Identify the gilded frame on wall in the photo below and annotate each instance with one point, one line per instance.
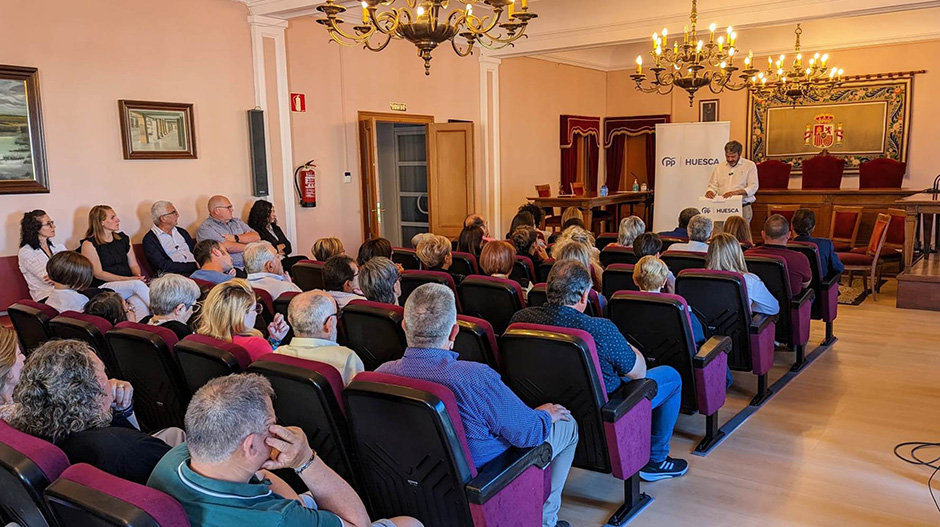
(157, 130)
(22, 144)
(861, 120)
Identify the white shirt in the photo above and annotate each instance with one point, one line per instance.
(274, 284)
(690, 246)
(33, 266)
(726, 178)
(322, 350)
(342, 298)
(174, 245)
(66, 300)
(762, 301)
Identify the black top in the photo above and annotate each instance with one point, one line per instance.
(113, 255)
(159, 261)
(276, 239)
(181, 330)
(458, 278)
(120, 450)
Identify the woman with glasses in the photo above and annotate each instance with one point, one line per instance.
(229, 313)
(36, 248)
(172, 302)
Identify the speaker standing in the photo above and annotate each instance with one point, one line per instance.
(735, 177)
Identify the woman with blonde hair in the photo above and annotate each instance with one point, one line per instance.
(325, 248)
(435, 254)
(229, 312)
(738, 227)
(113, 260)
(573, 249)
(571, 213)
(724, 254)
(11, 364)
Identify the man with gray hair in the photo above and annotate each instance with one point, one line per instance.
(265, 271)
(700, 231)
(568, 289)
(736, 176)
(313, 316)
(380, 280)
(168, 247)
(221, 473)
(493, 417)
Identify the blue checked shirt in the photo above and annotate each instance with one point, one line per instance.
(493, 417)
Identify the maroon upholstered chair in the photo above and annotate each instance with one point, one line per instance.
(823, 172)
(308, 275)
(787, 211)
(523, 269)
(720, 297)
(793, 320)
(202, 358)
(464, 263)
(91, 330)
(618, 277)
(604, 239)
(143, 262)
(31, 321)
(843, 229)
(411, 444)
(544, 364)
(676, 261)
(27, 466)
(869, 262)
(374, 331)
(773, 174)
(89, 497)
(825, 289)
(658, 325)
(282, 302)
(618, 255)
(476, 341)
(411, 280)
(545, 267)
(495, 300)
(407, 258)
(538, 297)
(881, 173)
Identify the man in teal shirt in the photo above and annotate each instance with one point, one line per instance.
(220, 475)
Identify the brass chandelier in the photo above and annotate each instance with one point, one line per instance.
(814, 82)
(427, 24)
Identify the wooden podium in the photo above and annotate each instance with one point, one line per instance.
(919, 284)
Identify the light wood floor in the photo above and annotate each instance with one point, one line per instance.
(821, 452)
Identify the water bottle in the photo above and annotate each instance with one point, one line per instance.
(603, 191)
(636, 185)
(643, 187)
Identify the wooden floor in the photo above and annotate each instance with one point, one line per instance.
(818, 454)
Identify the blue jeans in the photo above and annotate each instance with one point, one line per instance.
(665, 409)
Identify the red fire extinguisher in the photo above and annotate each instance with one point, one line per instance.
(305, 181)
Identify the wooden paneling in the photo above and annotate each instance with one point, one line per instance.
(450, 176)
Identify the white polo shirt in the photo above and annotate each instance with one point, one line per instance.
(726, 178)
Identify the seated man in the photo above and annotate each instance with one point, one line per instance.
(168, 247)
(341, 280)
(223, 227)
(804, 221)
(700, 230)
(776, 233)
(313, 317)
(493, 417)
(380, 280)
(435, 255)
(569, 284)
(215, 263)
(476, 220)
(220, 474)
(263, 265)
(684, 217)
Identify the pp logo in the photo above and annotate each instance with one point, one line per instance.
(669, 161)
(706, 210)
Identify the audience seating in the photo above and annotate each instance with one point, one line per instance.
(823, 172)
(604, 239)
(677, 261)
(143, 262)
(407, 258)
(495, 300)
(881, 173)
(523, 269)
(411, 280)
(91, 330)
(543, 364)
(144, 355)
(476, 341)
(870, 263)
(786, 211)
(202, 358)
(618, 277)
(267, 310)
(793, 320)
(31, 321)
(27, 466)
(412, 447)
(204, 286)
(308, 275)
(14, 285)
(282, 303)
(658, 325)
(544, 268)
(825, 288)
(670, 240)
(774, 174)
(551, 222)
(464, 263)
(843, 229)
(86, 496)
(307, 395)
(374, 331)
(618, 255)
(538, 297)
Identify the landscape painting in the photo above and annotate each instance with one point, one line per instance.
(22, 153)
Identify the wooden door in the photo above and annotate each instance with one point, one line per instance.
(368, 160)
(450, 177)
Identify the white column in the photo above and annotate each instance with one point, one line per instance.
(489, 122)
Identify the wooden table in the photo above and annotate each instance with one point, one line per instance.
(590, 201)
(914, 206)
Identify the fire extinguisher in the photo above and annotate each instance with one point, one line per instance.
(305, 181)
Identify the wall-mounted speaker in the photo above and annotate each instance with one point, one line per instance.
(259, 156)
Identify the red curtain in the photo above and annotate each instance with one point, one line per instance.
(616, 131)
(573, 126)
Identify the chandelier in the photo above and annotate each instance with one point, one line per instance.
(692, 64)
(814, 82)
(427, 24)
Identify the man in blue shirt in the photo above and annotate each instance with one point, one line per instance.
(223, 227)
(215, 263)
(804, 221)
(568, 289)
(493, 417)
(684, 217)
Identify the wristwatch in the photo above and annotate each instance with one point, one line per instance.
(236, 239)
(307, 464)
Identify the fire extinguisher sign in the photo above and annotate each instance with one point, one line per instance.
(298, 102)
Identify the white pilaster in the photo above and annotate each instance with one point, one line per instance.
(489, 121)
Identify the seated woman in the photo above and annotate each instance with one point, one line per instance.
(71, 275)
(497, 260)
(586, 238)
(630, 228)
(739, 228)
(435, 255)
(325, 248)
(11, 363)
(650, 244)
(470, 241)
(724, 254)
(172, 301)
(111, 307)
(263, 219)
(36, 248)
(521, 219)
(373, 248)
(380, 280)
(229, 314)
(65, 397)
(572, 249)
(525, 241)
(113, 260)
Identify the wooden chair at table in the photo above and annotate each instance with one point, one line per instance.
(552, 221)
(843, 229)
(786, 211)
(870, 263)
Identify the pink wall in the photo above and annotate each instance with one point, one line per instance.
(94, 52)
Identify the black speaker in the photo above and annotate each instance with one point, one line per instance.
(259, 156)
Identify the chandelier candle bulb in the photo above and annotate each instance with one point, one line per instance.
(512, 10)
(365, 13)
(721, 42)
(525, 4)
(639, 65)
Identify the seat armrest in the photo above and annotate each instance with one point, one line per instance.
(626, 397)
(806, 295)
(709, 351)
(830, 281)
(759, 321)
(501, 471)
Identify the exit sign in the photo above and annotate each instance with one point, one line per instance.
(398, 107)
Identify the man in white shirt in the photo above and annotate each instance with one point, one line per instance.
(700, 230)
(735, 177)
(313, 317)
(263, 265)
(168, 247)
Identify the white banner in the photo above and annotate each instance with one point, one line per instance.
(686, 154)
(720, 209)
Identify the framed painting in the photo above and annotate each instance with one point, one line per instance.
(708, 111)
(22, 147)
(157, 130)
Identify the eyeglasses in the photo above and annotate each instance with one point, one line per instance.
(230, 207)
(258, 309)
(50, 224)
(174, 213)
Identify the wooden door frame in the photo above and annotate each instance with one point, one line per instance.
(369, 178)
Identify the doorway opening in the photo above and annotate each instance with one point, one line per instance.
(402, 181)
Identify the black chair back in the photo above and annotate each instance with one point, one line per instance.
(407, 258)
(811, 252)
(411, 280)
(523, 270)
(308, 275)
(91, 330)
(604, 239)
(618, 277)
(493, 299)
(677, 261)
(720, 297)
(373, 330)
(476, 341)
(463, 263)
(203, 358)
(773, 272)
(31, 321)
(618, 255)
(545, 267)
(27, 466)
